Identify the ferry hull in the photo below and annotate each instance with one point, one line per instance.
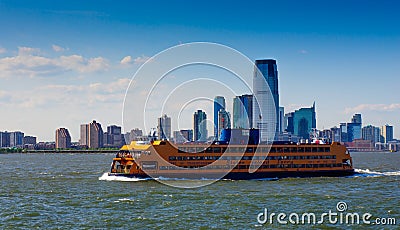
(247, 176)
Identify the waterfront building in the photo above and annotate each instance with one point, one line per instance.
(63, 138)
(17, 139)
(184, 135)
(113, 137)
(356, 119)
(92, 135)
(219, 103)
(371, 133)
(304, 121)
(265, 108)
(335, 134)
(243, 112)
(224, 121)
(281, 119)
(288, 121)
(4, 139)
(387, 133)
(164, 127)
(134, 135)
(200, 126)
(29, 140)
(351, 131)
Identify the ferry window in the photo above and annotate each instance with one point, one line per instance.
(265, 150)
(300, 150)
(224, 149)
(286, 150)
(278, 150)
(200, 150)
(308, 149)
(293, 149)
(209, 150)
(314, 150)
(327, 150)
(272, 150)
(179, 158)
(217, 150)
(249, 150)
(172, 158)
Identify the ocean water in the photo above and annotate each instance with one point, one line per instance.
(72, 191)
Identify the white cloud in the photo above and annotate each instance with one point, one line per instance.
(126, 60)
(2, 50)
(373, 107)
(303, 51)
(29, 62)
(23, 50)
(142, 59)
(57, 48)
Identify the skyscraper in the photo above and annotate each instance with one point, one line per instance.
(243, 112)
(371, 133)
(265, 108)
(4, 139)
(16, 139)
(224, 121)
(164, 127)
(92, 135)
(200, 126)
(289, 122)
(356, 119)
(219, 103)
(387, 133)
(183, 135)
(84, 140)
(63, 138)
(304, 121)
(113, 137)
(351, 131)
(281, 119)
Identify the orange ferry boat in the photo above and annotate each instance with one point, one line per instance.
(239, 162)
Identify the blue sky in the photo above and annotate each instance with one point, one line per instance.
(63, 63)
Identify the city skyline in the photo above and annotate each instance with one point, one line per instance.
(68, 63)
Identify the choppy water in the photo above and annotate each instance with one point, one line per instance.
(55, 191)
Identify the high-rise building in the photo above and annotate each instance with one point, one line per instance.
(63, 138)
(16, 139)
(164, 127)
(281, 119)
(29, 140)
(371, 133)
(304, 121)
(84, 140)
(224, 121)
(351, 131)
(113, 136)
(4, 139)
(219, 103)
(387, 133)
(265, 108)
(183, 135)
(289, 122)
(356, 119)
(92, 135)
(243, 112)
(200, 126)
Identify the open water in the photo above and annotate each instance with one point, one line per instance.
(72, 191)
